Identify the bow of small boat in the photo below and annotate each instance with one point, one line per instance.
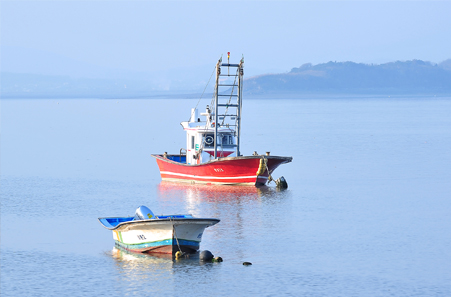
(113, 223)
(188, 221)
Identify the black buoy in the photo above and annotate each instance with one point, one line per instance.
(206, 256)
(281, 183)
(247, 263)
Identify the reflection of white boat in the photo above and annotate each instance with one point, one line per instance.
(125, 255)
(147, 233)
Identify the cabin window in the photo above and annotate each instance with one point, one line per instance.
(227, 140)
(192, 142)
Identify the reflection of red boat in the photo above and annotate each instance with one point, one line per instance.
(213, 145)
(172, 191)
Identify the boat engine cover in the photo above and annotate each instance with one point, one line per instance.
(143, 213)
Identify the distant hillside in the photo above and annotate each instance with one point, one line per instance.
(25, 85)
(31, 73)
(36, 85)
(409, 77)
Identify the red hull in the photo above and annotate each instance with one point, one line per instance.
(249, 170)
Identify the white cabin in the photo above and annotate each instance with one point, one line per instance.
(200, 140)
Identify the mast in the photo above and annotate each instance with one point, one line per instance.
(218, 73)
(239, 103)
(238, 76)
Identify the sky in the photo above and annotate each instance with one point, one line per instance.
(273, 36)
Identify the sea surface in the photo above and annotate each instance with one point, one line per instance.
(367, 211)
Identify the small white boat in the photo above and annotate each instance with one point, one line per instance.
(147, 233)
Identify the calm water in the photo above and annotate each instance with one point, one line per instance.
(367, 212)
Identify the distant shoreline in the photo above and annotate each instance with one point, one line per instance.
(269, 96)
(408, 78)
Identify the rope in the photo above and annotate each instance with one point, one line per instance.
(212, 103)
(206, 128)
(175, 235)
(203, 91)
(270, 179)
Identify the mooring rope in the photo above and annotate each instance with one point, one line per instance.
(270, 179)
(175, 234)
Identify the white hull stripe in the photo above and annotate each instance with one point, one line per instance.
(211, 177)
(208, 182)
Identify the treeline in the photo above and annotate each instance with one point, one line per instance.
(407, 77)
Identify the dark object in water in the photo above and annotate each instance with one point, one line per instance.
(281, 183)
(247, 263)
(217, 259)
(206, 256)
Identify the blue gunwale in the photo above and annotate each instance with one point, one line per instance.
(113, 223)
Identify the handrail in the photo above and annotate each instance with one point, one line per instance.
(181, 153)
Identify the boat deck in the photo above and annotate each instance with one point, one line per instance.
(177, 158)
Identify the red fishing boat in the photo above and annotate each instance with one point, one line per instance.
(213, 154)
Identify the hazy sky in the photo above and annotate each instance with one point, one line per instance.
(274, 36)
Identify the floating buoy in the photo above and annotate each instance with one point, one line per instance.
(206, 256)
(281, 183)
(217, 259)
(178, 254)
(247, 263)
